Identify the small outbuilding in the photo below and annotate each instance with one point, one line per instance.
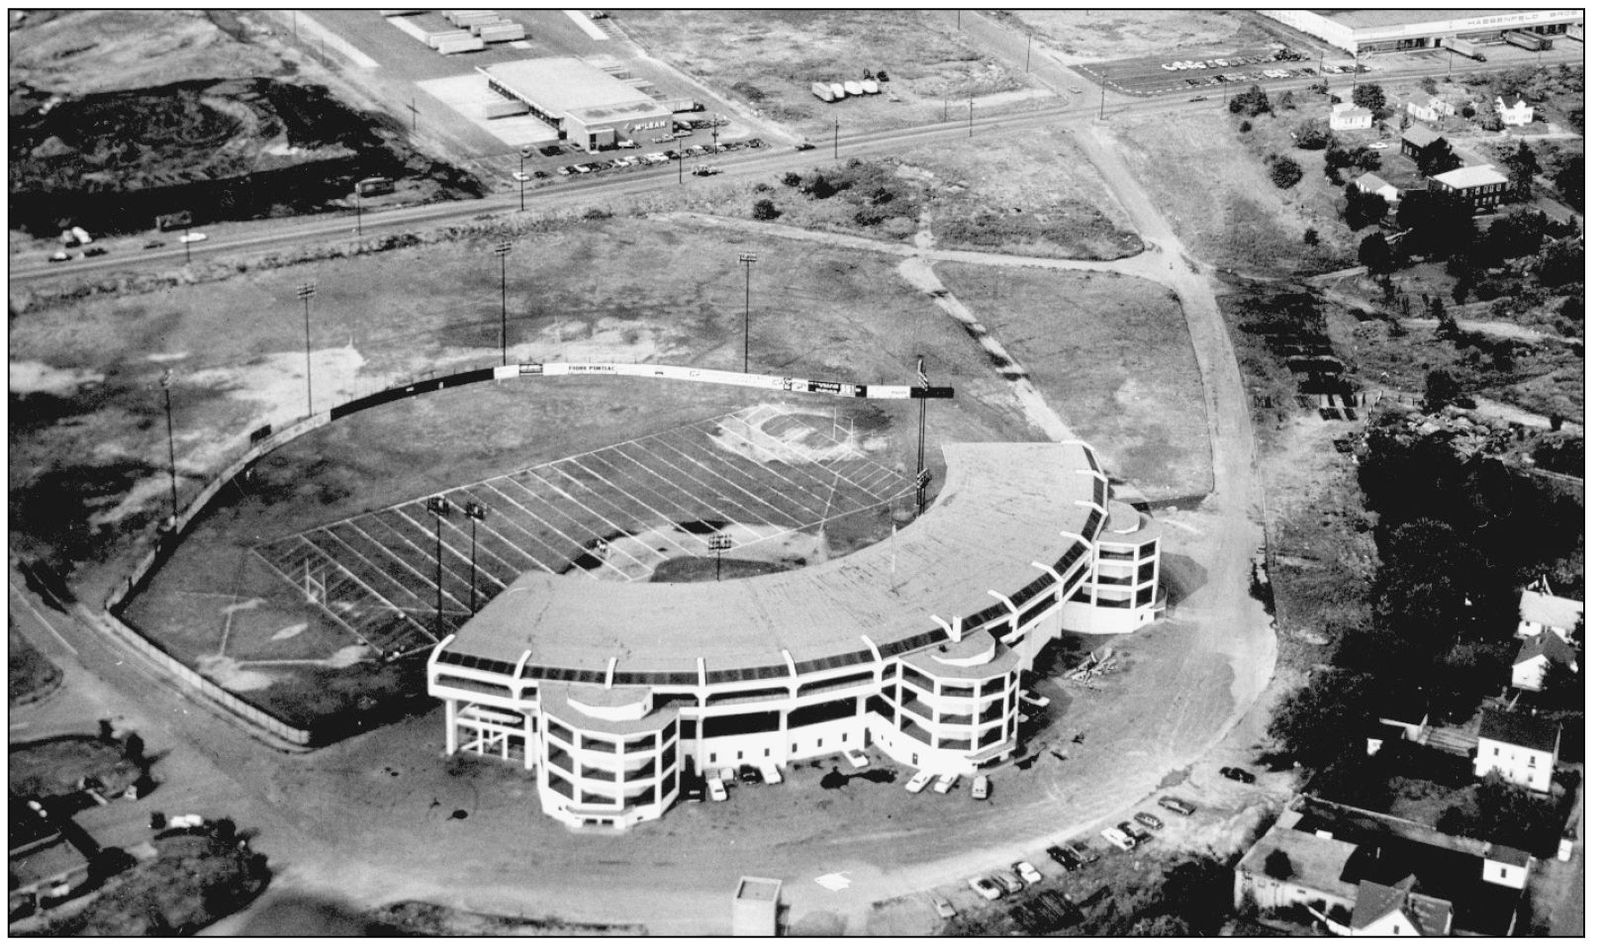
(1347, 117)
(756, 907)
(1371, 183)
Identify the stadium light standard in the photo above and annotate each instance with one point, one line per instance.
(522, 177)
(1029, 43)
(475, 512)
(306, 291)
(681, 165)
(439, 506)
(501, 250)
(358, 212)
(716, 545)
(923, 473)
(186, 243)
(172, 458)
(748, 259)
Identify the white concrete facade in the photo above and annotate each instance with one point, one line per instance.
(613, 753)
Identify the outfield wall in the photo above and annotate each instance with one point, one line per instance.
(256, 717)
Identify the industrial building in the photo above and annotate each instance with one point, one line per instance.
(583, 102)
(915, 645)
(1379, 31)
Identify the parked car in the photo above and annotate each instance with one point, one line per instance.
(152, 245)
(1008, 882)
(1026, 872)
(755, 143)
(1134, 831)
(59, 256)
(1034, 698)
(715, 786)
(771, 775)
(750, 775)
(943, 908)
(1150, 820)
(804, 146)
(521, 176)
(1238, 774)
(1379, 146)
(1176, 805)
(542, 174)
(1086, 857)
(96, 251)
(1118, 838)
(565, 170)
(919, 782)
(1063, 858)
(694, 789)
(551, 151)
(987, 888)
(727, 775)
(945, 783)
(193, 237)
(981, 787)
(856, 758)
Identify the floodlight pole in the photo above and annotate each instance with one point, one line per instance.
(186, 244)
(923, 383)
(837, 136)
(501, 250)
(440, 506)
(748, 259)
(1103, 113)
(1029, 42)
(358, 212)
(970, 116)
(681, 166)
(718, 543)
(172, 458)
(306, 291)
(475, 512)
(522, 178)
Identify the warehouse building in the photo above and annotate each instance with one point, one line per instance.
(1380, 31)
(915, 645)
(584, 103)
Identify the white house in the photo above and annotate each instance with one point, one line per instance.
(1516, 114)
(1507, 866)
(1424, 112)
(1539, 609)
(1392, 911)
(1539, 653)
(1371, 183)
(1520, 747)
(1347, 117)
(1442, 106)
(1318, 867)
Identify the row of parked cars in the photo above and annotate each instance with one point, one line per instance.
(653, 158)
(1181, 64)
(1127, 835)
(943, 783)
(717, 784)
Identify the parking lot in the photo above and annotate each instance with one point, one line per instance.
(1150, 75)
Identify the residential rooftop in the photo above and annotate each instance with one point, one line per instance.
(1558, 612)
(1474, 176)
(1526, 731)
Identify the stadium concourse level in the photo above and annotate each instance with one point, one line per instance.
(915, 644)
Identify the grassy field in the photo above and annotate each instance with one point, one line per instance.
(54, 766)
(1113, 355)
(1217, 193)
(770, 58)
(1095, 35)
(30, 676)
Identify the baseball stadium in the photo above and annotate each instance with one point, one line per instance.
(615, 694)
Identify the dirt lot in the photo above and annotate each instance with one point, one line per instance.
(769, 59)
(1087, 36)
(1221, 202)
(1139, 403)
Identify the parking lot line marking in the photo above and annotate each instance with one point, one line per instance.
(21, 597)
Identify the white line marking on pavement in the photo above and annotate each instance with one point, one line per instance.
(1183, 527)
(583, 22)
(35, 611)
(833, 882)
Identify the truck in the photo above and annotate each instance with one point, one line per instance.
(368, 186)
(823, 91)
(852, 89)
(1462, 48)
(1528, 41)
(838, 89)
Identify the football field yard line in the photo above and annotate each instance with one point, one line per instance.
(465, 535)
(745, 516)
(378, 568)
(627, 464)
(337, 619)
(427, 582)
(486, 528)
(668, 521)
(635, 487)
(517, 523)
(553, 509)
(797, 459)
(800, 495)
(690, 513)
(767, 472)
(621, 532)
(620, 510)
(716, 477)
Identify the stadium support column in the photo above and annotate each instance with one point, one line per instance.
(450, 726)
(528, 741)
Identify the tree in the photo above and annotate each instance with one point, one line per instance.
(1437, 309)
(791, 179)
(1437, 157)
(1492, 123)
(1561, 263)
(1245, 126)
(1570, 179)
(1509, 815)
(133, 748)
(1310, 237)
(1441, 389)
(1164, 925)
(1428, 85)
(1278, 865)
(1317, 723)
(1368, 160)
(764, 210)
(1522, 169)
(820, 187)
(1362, 208)
(1283, 172)
(1253, 102)
(1286, 100)
(1439, 224)
(1200, 891)
(1311, 134)
(1369, 95)
(1374, 252)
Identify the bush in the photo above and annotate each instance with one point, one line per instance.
(1253, 102)
(1283, 172)
(1311, 134)
(1310, 237)
(1375, 254)
(1369, 95)
(790, 179)
(1245, 126)
(764, 210)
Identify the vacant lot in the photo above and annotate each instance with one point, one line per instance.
(770, 59)
(1139, 401)
(1220, 200)
(1087, 36)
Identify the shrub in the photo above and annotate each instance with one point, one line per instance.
(1254, 101)
(1311, 134)
(1284, 172)
(764, 210)
(1245, 126)
(790, 179)
(1310, 237)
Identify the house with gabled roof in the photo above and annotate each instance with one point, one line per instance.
(1416, 139)
(1398, 911)
(1370, 183)
(1522, 748)
(1540, 609)
(1539, 653)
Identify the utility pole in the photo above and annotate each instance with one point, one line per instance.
(970, 116)
(681, 166)
(306, 291)
(923, 473)
(475, 512)
(522, 155)
(413, 107)
(748, 259)
(501, 250)
(837, 136)
(186, 243)
(1029, 43)
(358, 212)
(172, 458)
(439, 506)
(1103, 114)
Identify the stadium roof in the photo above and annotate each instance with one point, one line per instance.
(1002, 507)
(564, 84)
